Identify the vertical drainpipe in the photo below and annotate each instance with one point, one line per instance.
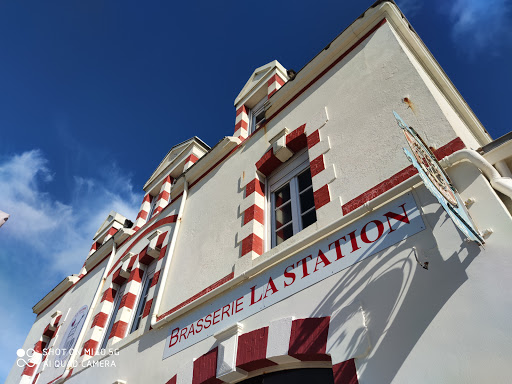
(163, 279)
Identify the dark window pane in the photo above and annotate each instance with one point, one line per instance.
(308, 218)
(282, 195)
(307, 200)
(283, 215)
(284, 233)
(304, 180)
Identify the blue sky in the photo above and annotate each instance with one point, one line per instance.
(94, 94)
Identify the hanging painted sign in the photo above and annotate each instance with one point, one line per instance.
(437, 181)
(71, 335)
(378, 230)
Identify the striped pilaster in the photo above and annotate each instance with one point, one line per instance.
(94, 248)
(163, 196)
(127, 305)
(273, 84)
(190, 161)
(253, 231)
(37, 357)
(162, 239)
(322, 174)
(46, 340)
(94, 335)
(111, 232)
(241, 123)
(142, 217)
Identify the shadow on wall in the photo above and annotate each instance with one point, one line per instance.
(400, 299)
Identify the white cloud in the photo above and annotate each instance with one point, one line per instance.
(46, 239)
(59, 233)
(481, 26)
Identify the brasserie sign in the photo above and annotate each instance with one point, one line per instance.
(375, 232)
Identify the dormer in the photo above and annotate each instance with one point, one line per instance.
(112, 224)
(251, 101)
(177, 161)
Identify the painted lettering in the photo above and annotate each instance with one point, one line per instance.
(337, 246)
(216, 315)
(225, 311)
(380, 229)
(289, 275)
(174, 336)
(239, 304)
(252, 296)
(353, 241)
(270, 287)
(304, 262)
(182, 333)
(403, 218)
(199, 325)
(191, 330)
(209, 321)
(321, 259)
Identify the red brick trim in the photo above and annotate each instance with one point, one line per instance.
(193, 158)
(118, 329)
(243, 108)
(217, 284)
(252, 243)
(162, 252)
(165, 220)
(313, 139)
(268, 163)
(205, 368)
(136, 275)
(128, 301)
(252, 350)
(297, 140)
(156, 276)
(399, 177)
(254, 213)
(100, 320)
(254, 186)
(117, 278)
(109, 295)
(275, 79)
(90, 347)
(160, 240)
(147, 308)
(112, 231)
(317, 165)
(308, 339)
(345, 373)
(241, 124)
(322, 196)
(173, 380)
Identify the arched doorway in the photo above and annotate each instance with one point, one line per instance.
(294, 376)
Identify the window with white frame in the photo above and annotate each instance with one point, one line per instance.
(113, 315)
(291, 201)
(146, 284)
(256, 115)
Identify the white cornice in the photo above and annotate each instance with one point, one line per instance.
(55, 293)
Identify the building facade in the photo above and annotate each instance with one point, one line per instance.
(305, 246)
